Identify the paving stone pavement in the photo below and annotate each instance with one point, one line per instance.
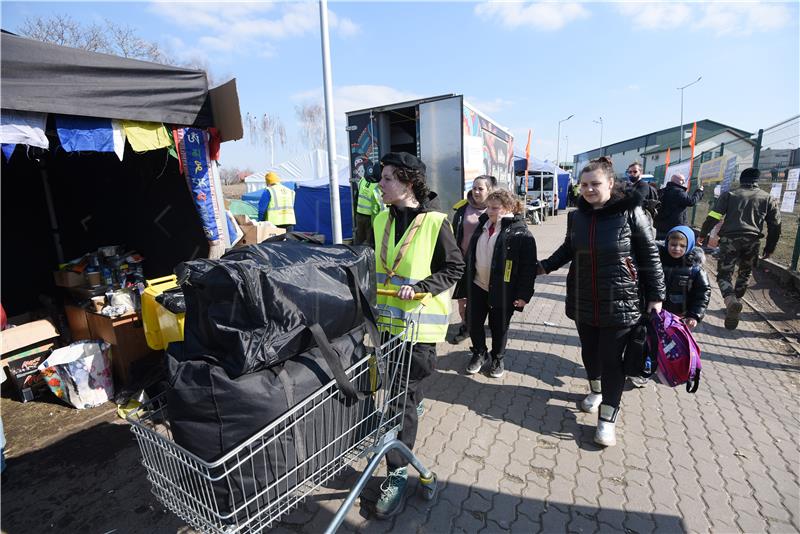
(516, 454)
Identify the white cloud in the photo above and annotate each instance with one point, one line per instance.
(539, 15)
(354, 97)
(660, 15)
(743, 19)
(719, 17)
(633, 87)
(489, 106)
(246, 28)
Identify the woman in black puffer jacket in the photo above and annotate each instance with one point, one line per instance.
(614, 260)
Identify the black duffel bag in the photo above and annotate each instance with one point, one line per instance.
(211, 414)
(245, 310)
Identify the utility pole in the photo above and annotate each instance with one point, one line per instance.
(336, 216)
(681, 90)
(600, 122)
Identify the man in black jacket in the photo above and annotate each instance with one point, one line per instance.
(674, 201)
(646, 190)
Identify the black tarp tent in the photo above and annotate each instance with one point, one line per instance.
(142, 202)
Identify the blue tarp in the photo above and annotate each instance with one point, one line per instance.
(312, 209)
(563, 189)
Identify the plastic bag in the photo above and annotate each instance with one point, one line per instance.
(80, 374)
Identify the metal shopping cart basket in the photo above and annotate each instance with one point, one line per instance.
(190, 487)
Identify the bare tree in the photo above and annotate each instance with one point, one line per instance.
(109, 38)
(312, 124)
(233, 175)
(265, 130)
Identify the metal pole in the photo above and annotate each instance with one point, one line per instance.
(51, 210)
(601, 131)
(336, 216)
(681, 132)
(796, 251)
(558, 141)
(757, 150)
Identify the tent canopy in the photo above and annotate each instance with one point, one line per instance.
(311, 167)
(49, 78)
(537, 165)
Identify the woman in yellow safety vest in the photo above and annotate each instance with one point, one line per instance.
(369, 202)
(415, 252)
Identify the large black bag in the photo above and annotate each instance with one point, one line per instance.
(211, 413)
(245, 310)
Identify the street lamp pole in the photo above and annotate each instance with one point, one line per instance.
(566, 152)
(558, 136)
(600, 122)
(681, 90)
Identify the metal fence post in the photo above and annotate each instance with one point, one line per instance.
(757, 148)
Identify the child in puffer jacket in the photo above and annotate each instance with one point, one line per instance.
(688, 289)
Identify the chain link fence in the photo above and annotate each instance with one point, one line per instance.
(775, 151)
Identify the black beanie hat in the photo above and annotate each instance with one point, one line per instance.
(749, 176)
(404, 160)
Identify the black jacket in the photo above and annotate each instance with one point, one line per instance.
(514, 244)
(613, 255)
(447, 265)
(674, 202)
(688, 289)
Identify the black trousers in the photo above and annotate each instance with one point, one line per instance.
(423, 363)
(499, 319)
(602, 350)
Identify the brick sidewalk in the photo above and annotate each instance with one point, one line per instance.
(517, 455)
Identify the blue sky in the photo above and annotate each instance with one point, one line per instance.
(527, 65)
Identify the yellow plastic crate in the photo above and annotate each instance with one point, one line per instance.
(161, 326)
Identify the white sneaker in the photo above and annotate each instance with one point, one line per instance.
(606, 434)
(639, 381)
(592, 402)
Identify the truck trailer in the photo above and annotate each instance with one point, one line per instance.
(455, 140)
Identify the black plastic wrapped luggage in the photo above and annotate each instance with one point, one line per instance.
(210, 414)
(243, 309)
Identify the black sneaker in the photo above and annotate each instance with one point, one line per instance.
(498, 369)
(461, 335)
(477, 362)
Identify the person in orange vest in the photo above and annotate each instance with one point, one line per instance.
(277, 203)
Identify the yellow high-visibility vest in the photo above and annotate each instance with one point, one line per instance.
(280, 209)
(415, 265)
(369, 199)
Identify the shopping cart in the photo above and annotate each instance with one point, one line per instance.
(352, 429)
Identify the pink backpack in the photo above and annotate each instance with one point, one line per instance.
(677, 353)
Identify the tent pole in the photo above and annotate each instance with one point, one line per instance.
(336, 216)
(48, 195)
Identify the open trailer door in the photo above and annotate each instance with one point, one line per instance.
(440, 147)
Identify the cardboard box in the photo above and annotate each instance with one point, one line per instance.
(124, 333)
(256, 231)
(69, 279)
(23, 348)
(24, 372)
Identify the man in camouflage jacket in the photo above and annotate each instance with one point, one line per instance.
(744, 210)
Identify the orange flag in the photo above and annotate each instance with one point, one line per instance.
(691, 162)
(527, 159)
(666, 168)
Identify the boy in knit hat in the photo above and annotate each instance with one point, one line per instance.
(688, 289)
